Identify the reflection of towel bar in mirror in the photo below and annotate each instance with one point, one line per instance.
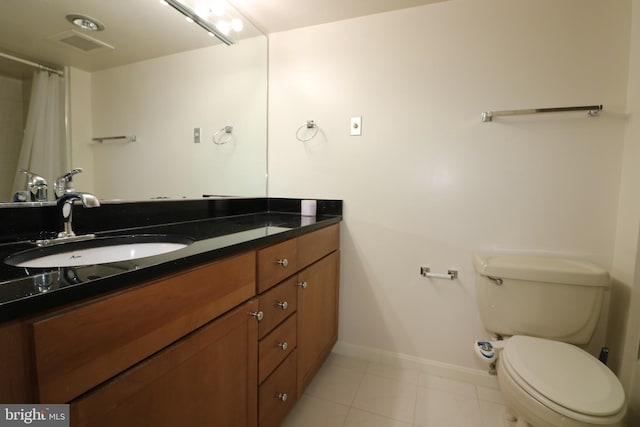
(108, 139)
(224, 135)
(309, 124)
(592, 111)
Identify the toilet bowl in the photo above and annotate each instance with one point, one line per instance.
(549, 383)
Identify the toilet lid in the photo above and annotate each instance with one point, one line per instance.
(564, 374)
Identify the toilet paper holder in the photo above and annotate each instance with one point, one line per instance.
(426, 272)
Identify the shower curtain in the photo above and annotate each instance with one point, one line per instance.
(44, 150)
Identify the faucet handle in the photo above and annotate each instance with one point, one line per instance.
(64, 183)
(33, 178)
(37, 185)
(70, 174)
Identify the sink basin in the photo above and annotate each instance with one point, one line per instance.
(98, 251)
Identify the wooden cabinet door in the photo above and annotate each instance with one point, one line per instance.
(317, 316)
(207, 378)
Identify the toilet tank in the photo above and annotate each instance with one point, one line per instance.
(543, 296)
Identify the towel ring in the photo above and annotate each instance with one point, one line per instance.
(224, 135)
(310, 124)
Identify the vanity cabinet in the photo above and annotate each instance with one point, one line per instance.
(233, 342)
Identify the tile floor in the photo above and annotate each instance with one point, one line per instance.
(349, 392)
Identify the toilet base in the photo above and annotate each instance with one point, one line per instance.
(510, 420)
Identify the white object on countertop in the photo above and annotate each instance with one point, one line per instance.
(308, 207)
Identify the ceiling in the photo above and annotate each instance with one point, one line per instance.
(273, 16)
(144, 29)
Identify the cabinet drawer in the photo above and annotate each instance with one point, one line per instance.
(78, 349)
(277, 394)
(276, 346)
(315, 245)
(276, 263)
(277, 304)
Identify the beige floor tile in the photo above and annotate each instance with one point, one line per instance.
(349, 392)
(313, 412)
(438, 408)
(388, 397)
(490, 395)
(358, 418)
(335, 383)
(395, 372)
(492, 414)
(459, 388)
(347, 362)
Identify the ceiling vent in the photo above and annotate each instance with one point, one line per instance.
(80, 41)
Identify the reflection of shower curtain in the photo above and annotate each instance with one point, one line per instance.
(44, 146)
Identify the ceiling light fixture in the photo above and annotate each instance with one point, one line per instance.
(85, 22)
(208, 26)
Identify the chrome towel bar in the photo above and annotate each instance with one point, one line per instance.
(426, 272)
(592, 110)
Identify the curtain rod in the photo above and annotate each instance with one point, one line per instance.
(32, 64)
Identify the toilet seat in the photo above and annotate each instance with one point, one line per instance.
(553, 373)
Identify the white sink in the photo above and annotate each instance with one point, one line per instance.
(97, 251)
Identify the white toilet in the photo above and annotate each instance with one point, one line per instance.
(541, 306)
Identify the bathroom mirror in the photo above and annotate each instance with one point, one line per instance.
(157, 107)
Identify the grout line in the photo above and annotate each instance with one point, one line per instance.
(359, 384)
(415, 405)
(380, 416)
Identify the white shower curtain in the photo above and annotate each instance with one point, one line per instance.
(44, 150)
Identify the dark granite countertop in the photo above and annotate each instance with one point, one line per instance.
(28, 291)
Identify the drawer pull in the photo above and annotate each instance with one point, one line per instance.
(303, 285)
(259, 315)
(283, 346)
(283, 305)
(283, 262)
(282, 397)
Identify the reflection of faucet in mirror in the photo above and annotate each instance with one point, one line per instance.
(37, 186)
(65, 196)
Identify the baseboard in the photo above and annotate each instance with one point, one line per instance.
(432, 367)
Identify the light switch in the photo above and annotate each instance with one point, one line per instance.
(356, 126)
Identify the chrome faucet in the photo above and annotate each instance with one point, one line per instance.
(65, 197)
(37, 186)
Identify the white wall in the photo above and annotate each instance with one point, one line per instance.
(427, 182)
(161, 101)
(80, 128)
(624, 328)
(11, 132)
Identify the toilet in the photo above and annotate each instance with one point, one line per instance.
(543, 308)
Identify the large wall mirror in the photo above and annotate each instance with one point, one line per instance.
(156, 107)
